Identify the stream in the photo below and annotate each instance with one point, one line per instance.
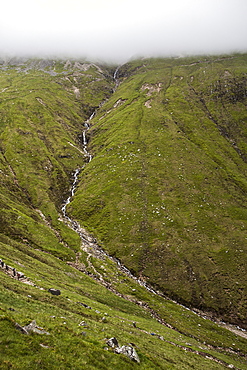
(87, 153)
(89, 244)
(91, 247)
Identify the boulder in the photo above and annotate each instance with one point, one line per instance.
(54, 291)
(31, 328)
(19, 275)
(83, 323)
(21, 328)
(84, 305)
(112, 342)
(129, 352)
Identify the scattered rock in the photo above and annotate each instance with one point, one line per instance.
(85, 305)
(54, 291)
(21, 328)
(129, 352)
(112, 342)
(19, 275)
(151, 88)
(119, 103)
(83, 323)
(43, 345)
(148, 103)
(31, 328)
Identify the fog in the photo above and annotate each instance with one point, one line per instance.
(122, 29)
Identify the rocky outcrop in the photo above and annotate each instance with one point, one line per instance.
(31, 328)
(128, 350)
(11, 270)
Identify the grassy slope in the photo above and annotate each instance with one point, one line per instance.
(40, 116)
(41, 120)
(72, 346)
(166, 190)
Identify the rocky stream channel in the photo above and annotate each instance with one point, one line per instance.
(88, 243)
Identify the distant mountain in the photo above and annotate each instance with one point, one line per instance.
(123, 192)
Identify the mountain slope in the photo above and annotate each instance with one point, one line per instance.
(41, 123)
(166, 189)
(43, 108)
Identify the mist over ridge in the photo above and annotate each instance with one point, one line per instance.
(119, 32)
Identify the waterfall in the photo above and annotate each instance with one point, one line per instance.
(85, 149)
(77, 171)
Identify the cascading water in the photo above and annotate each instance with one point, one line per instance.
(115, 77)
(77, 172)
(72, 192)
(87, 241)
(85, 149)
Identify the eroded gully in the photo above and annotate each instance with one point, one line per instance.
(88, 243)
(90, 246)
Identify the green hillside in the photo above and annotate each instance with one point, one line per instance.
(164, 193)
(166, 190)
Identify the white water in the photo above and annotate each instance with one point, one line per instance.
(115, 77)
(74, 224)
(89, 156)
(85, 149)
(77, 172)
(72, 192)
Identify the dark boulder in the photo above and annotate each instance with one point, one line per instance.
(54, 291)
(84, 305)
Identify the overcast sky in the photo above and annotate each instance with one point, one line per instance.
(122, 29)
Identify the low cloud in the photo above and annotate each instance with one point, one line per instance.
(117, 31)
